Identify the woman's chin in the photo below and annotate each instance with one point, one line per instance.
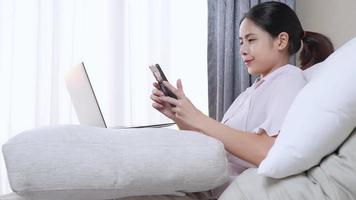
(252, 72)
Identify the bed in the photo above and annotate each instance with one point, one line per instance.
(329, 170)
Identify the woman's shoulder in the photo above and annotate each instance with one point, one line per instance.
(288, 76)
(285, 84)
(290, 73)
(291, 70)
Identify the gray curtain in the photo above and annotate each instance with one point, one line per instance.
(227, 76)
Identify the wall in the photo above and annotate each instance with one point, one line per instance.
(334, 18)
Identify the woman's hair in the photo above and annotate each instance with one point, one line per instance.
(316, 48)
(276, 17)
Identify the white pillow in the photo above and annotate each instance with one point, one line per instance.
(320, 118)
(87, 163)
(312, 71)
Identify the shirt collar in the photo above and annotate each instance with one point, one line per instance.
(259, 81)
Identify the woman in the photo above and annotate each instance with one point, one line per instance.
(269, 34)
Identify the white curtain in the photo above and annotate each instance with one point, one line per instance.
(116, 39)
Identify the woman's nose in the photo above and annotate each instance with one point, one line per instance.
(243, 49)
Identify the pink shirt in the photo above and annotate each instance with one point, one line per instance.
(263, 106)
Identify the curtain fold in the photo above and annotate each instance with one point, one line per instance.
(227, 76)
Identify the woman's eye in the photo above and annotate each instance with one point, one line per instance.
(251, 40)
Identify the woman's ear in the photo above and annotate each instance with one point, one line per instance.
(282, 40)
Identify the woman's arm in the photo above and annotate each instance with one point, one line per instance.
(250, 147)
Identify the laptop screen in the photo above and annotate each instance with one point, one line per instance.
(83, 97)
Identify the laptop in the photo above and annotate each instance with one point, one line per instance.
(85, 102)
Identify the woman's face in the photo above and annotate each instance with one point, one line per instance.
(260, 52)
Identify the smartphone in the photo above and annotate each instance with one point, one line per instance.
(160, 77)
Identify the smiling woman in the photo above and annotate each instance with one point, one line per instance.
(269, 33)
(117, 40)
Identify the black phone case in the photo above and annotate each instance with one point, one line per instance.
(164, 89)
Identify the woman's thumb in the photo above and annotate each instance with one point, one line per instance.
(179, 84)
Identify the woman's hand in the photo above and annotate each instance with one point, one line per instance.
(163, 107)
(185, 114)
(248, 146)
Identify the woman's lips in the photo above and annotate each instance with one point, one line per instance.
(248, 62)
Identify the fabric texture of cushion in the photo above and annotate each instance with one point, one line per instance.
(321, 117)
(75, 162)
(333, 179)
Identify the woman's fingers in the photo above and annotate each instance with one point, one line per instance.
(177, 92)
(157, 92)
(179, 85)
(157, 105)
(169, 100)
(155, 84)
(156, 99)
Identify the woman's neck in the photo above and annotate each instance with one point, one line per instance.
(281, 62)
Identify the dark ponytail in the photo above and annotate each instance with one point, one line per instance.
(276, 17)
(316, 48)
